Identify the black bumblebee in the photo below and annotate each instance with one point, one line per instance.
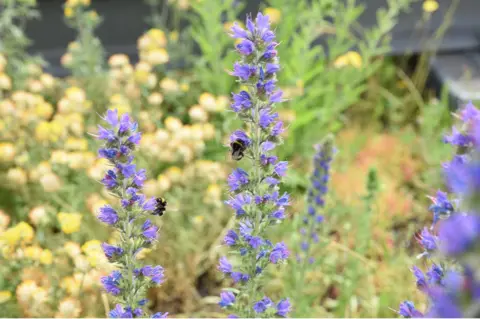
(160, 206)
(238, 147)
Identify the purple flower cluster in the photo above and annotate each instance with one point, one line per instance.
(130, 282)
(316, 194)
(255, 196)
(453, 292)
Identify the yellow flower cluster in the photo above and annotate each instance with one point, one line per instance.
(177, 142)
(32, 298)
(69, 222)
(72, 5)
(21, 233)
(151, 47)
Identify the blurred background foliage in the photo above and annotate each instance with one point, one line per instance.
(388, 135)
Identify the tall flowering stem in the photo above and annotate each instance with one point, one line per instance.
(316, 198)
(452, 283)
(130, 282)
(255, 195)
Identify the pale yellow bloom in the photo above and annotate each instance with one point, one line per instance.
(157, 56)
(5, 296)
(76, 144)
(17, 176)
(274, 14)
(33, 252)
(158, 36)
(207, 100)
(173, 124)
(72, 249)
(69, 222)
(47, 80)
(118, 60)
(38, 215)
(164, 183)
(58, 157)
(68, 12)
(169, 85)
(7, 152)
(44, 110)
(68, 308)
(198, 113)
(25, 291)
(92, 246)
(75, 94)
(430, 6)
(155, 98)
(71, 285)
(46, 257)
(350, 58)
(50, 182)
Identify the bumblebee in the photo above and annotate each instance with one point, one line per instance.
(160, 206)
(238, 147)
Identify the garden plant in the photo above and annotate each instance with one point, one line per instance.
(235, 167)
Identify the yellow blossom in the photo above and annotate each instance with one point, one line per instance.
(352, 58)
(68, 308)
(26, 290)
(5, 296)
(184, 87)
(155, 98)
(198, 113)
(198, 219)
(38, 215)
(17, 176)
(118, 60)
(72, 249)
(164, 182)
(150, 188)
(44, 110)
(47, 80)
(42, 131)
(71, 285)
(173, 124)
(430, 6)
(7, 152)
(207, 100)
(46, 257)
(69, 222)
(92, 246)
(68, 12)
(169, 85)
(274, 14)
(75, 94)
(33, 252)
(58, 157)
(157, 56)
(50, 182)
(158, 36)
(76, 144)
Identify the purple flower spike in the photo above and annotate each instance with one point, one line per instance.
(255, 197)
(125, 182)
